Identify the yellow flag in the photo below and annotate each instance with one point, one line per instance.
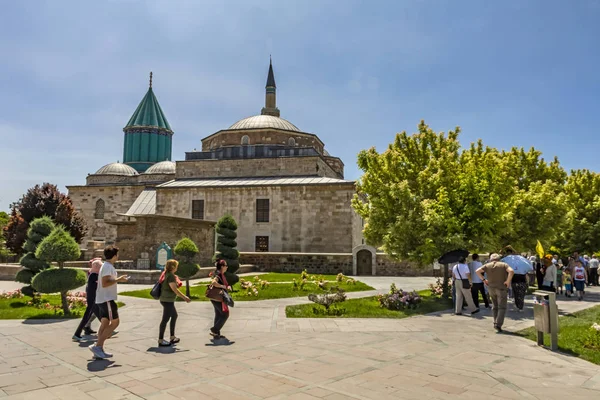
(539, 250)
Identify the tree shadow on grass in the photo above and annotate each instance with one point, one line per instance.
(97, 365)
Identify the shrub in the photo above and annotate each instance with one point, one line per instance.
(437, 289)
(591, 339)
(38, 230)
(328, 299)
(185, 250)
(59, 246)
(226, 247)
(397, 299)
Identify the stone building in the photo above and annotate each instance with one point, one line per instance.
(286, 191)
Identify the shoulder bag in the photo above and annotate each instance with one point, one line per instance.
(156, 290)
(214, 293)
(465, 282)
(227, 299)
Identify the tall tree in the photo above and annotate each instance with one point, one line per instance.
(227, 247)
(37, 202)
(5, 254)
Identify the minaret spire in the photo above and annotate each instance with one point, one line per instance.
(150, 79)
(271, 93)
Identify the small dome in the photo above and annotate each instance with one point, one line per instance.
(117, 169)
(264, 121)
(163, 167)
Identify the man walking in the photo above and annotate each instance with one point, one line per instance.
(477, 284)
(593, 275)
(106, 297)
(499, 278)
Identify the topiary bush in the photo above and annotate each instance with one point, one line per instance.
(185, 250)
(59, 247)
(226, 247)
(38, 230)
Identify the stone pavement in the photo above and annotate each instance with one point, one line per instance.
(267, 356)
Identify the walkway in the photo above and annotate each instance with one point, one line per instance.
(270, 357)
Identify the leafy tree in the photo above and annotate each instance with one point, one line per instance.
(582, 228)
(58, 247)
(226, 247)
(186, 250)
(5, 254)
(38, 230)
(37, 202)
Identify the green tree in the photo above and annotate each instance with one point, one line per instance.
(582, 228)
(186, 250)
(226, 247)
(38, 230)
(39, 201)
(5, 253)
(58, 247)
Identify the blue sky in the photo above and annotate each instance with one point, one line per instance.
(514, 73)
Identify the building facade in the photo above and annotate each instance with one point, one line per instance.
(286, 191)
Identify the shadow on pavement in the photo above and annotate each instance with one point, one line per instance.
(101, 365)
(165, 350)
(220, 342)
(43, 320)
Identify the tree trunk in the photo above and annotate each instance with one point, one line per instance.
(187, 287)
(65, 304)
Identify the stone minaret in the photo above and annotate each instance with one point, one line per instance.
(271, 95)
(148, 135)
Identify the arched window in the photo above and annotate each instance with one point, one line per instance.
(245, 140)
(291, 141)
(99, 214)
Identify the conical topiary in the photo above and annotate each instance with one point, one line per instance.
(226, 247)
(59, 247)
(186, 250)
(38, 230)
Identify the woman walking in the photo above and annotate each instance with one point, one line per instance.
(221, 309)
(579, 279)
(169, 292)
(90, 295)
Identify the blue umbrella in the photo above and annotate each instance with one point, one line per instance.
(520, 264)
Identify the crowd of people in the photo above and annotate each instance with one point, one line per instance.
(497, 282)
(101, 294)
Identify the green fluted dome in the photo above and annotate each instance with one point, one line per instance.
(149, 113)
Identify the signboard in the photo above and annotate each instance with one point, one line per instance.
(163, 253)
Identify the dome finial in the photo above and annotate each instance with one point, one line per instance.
(150, 79)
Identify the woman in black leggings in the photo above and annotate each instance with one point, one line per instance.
(221, 309)
(169, 292)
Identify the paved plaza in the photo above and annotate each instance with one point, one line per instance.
(267, 356)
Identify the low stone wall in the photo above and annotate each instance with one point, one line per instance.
(330, 263)
(314, 263)
(9, 271)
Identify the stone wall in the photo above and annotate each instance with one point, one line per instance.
(117, 200)
(332, 263)
(303, 218)
(261, 136)
(336, 164)
(282, 166)
(146, 233)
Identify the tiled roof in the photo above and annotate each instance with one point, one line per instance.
(271, 181)
(144, 204)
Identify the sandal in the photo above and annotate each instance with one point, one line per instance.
(164, 343)
(175, 340)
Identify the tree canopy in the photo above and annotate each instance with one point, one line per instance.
(39, 201)
(426, 195)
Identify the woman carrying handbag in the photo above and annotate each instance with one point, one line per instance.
(215, 292)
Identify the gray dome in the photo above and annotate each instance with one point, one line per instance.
(117, 169)
(264, 121)
(163, 167)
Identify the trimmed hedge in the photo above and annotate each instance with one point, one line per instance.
(226, 247)
(55, 280)
(24, 276)
(186, 248)
(187, 270)
(58, 247)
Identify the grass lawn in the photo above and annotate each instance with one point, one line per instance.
(18, 309)
(368, 307)
(274, 291)
(576, 336)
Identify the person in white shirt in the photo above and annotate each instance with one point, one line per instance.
(593, 275)
(462, 282)
(106, 297)
(477, 284)
(549, 274)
